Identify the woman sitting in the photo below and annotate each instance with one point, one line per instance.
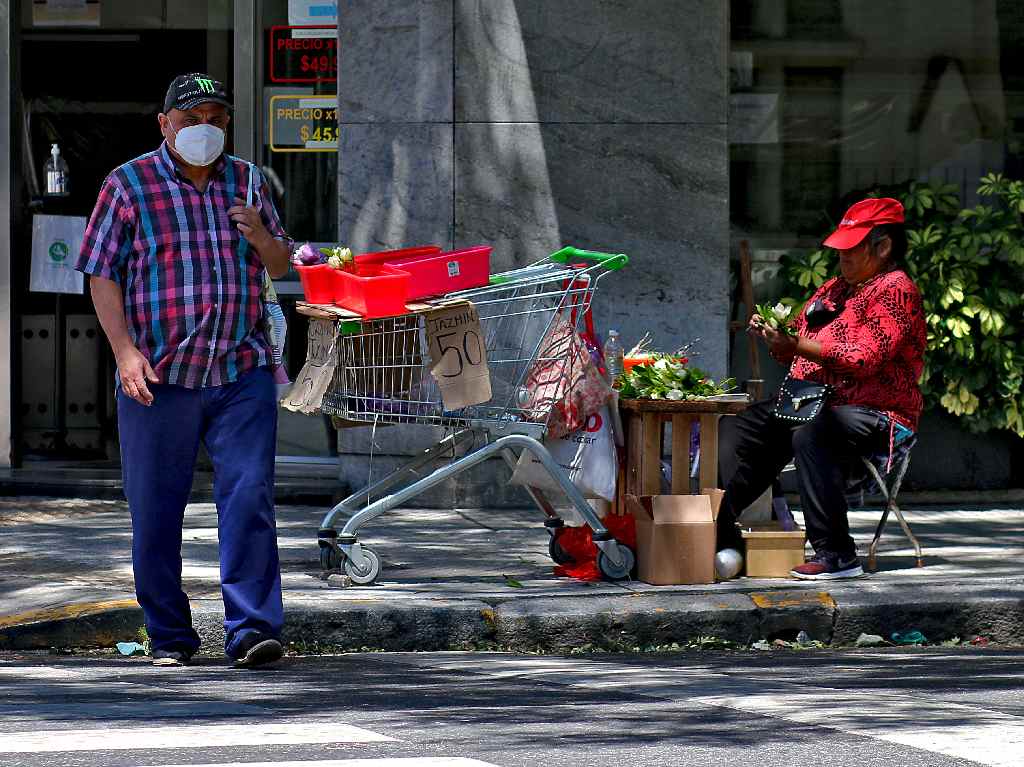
(863, 333)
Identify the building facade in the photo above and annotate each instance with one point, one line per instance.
(671, 130)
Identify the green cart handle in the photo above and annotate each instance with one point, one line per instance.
(610, 261)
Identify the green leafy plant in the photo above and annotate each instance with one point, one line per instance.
(667, 376)
(969, 265)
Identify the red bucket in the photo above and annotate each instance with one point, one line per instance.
(317, 283)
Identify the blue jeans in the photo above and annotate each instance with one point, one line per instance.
(237, 423)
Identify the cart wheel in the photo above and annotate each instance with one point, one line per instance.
(613, 572)
(559, 555)
(330, 559)
(368, 574)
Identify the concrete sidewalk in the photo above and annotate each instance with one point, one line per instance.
(449, 581)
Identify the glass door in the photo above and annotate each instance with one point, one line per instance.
(90, 80)
(295, 134)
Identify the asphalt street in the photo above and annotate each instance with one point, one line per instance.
(866, 708)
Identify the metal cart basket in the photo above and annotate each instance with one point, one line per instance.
(529, 320)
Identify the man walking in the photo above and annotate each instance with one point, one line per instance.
(176, 260)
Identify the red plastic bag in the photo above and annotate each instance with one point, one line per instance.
(578, 543)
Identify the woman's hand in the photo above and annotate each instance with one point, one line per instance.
(781, 346)
(784, 347)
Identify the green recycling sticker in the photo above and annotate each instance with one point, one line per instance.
(59, 251)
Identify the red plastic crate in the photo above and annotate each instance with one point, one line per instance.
(317, 283)
(372, 290)
(387, 256)
(434, 272)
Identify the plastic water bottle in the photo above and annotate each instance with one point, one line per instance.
(57, 180)
(613, 354)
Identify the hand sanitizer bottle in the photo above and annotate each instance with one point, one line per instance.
(57, 181)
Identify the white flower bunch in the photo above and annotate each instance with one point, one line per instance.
(775, 317)
(339, 258)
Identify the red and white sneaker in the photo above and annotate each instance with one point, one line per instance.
(828, 569)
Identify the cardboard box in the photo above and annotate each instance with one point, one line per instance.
(675, 538)
(771, 551)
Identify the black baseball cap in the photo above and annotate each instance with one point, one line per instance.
(187, 91)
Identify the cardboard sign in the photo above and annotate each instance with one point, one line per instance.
(307, 393)
(458, 357)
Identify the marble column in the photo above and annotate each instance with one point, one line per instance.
(529, 124)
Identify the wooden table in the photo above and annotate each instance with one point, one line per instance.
(644, 423)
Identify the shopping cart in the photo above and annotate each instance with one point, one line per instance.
(530, 318)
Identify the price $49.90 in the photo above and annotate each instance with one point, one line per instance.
(319, 63)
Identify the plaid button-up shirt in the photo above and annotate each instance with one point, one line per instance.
(191, 282)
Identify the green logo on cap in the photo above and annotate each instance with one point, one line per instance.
(205, 84)
(59, 251)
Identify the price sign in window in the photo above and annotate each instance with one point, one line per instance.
(304, 123)
(304, 54)
(458, 356)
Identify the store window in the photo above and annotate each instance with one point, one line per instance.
(831, 99)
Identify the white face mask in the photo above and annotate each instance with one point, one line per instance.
(198, 144)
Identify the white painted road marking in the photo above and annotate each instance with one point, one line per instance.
(426, 761)
(966, 731)
(187, 736)
(168, 709)
(952, 729)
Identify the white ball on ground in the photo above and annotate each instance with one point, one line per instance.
(728, 563)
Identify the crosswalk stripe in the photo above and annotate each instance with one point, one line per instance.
(107, 711)
(425, 761)
(186, 736)
(968, 732)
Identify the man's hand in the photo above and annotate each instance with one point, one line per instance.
(273, 252)
(248, 221)
(135, 370)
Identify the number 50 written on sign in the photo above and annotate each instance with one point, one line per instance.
(458, 356)
(471, 353)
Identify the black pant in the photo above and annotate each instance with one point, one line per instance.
(754, 447)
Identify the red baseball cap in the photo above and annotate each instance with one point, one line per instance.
(860, 219)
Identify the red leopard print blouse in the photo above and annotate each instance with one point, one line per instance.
(873, 350)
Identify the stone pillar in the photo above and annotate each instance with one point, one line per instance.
(529, 124)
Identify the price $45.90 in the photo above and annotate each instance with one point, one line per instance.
(319, 133)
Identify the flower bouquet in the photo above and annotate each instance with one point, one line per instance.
(336, 257)
(666, 376)
(775, 317)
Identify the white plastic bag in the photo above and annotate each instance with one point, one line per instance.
(56, 241)
(275, 326)
(588, 457)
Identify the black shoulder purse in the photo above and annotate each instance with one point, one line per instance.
(800, 402)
